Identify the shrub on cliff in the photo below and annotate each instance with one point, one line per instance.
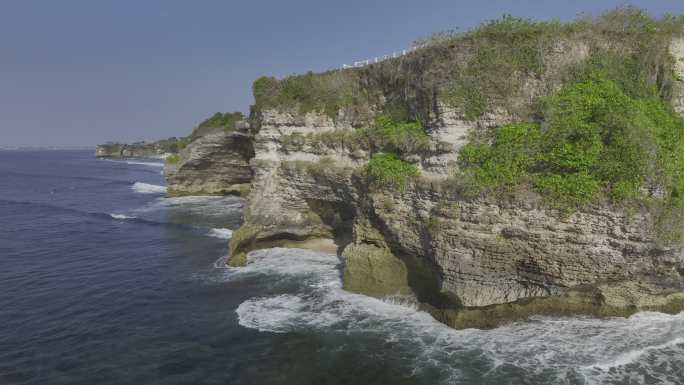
(594, 140)
(225, 120)
(326, 93)
(402, 137)
(385, 135)
(219, 121)
(505, 159)
(173, 159)
(386, 169)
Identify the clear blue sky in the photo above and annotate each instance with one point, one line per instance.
(84, 72)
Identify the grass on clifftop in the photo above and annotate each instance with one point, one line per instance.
(326, 93)
(489, 68)
(225, 121)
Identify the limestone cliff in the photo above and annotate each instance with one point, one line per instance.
(468, 261)
(446, 252)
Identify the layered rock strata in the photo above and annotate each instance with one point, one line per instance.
(470, 262)
(214, 164)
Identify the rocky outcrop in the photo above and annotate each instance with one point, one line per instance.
(138, 150)
(297, 195)
(677, 50)
(488, 252)
(214, 164)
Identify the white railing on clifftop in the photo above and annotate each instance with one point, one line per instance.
(393, 55)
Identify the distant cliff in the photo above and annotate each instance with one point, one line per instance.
(139, 149)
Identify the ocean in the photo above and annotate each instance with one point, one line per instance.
(104, 280)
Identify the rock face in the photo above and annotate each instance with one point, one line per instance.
(677, 50)
(214, 164)
(445, 252)
(291, 198)
(137, 150)
(470, 262)
(490, 253)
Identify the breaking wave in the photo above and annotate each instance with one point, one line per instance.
(309, 298)
(221, 233)
(146, 188)
(121, 216)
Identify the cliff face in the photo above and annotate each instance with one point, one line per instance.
(447, 253)
(138, 150)
(470, 262)
(214, 164)
(488, 253)
(677, 50)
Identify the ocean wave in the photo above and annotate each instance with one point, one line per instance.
(121, 216)
(221, 233)
(546, 350)
(204, 199)
(632, 356)
(146, 188)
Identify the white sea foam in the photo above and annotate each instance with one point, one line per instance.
(221, 233)
(632, 356)
(121, 216)
(152, 164)
(146, 188)
(203, 200)
(547, 350)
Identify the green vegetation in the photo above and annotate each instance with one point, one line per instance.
(399, 137)
(225, 121)
(182, 143)
(326, 93)
(385, 135)
(173, 159)
(490, 68)
(388, 169)
(387, 139)
(503, 160)
(509, 50)
(608, 133)
(595, 141)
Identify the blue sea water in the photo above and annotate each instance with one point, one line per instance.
(104, 280)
